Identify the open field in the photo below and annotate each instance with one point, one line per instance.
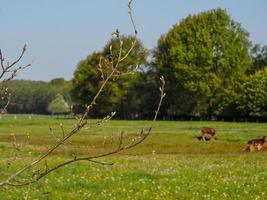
(170, 164)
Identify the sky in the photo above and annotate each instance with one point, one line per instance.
(59, 33)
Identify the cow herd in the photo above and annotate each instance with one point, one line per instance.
(258, 144)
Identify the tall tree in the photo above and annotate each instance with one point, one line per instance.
(204, 58)
(252, 99)
(88, 75)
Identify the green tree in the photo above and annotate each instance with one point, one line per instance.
(203, 58)
(58, 106)
(252, 100)
(61, 86)
(259, 57)
(29, 96)
(141, 98)
(34, 96)
(88, 77)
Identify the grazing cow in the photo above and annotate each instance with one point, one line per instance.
(264, 146)
(208, 131)
(258, 144)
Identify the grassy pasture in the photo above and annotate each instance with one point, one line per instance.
(170, 164)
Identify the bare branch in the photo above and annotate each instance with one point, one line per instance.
(11, 69)
(142, 136)
(107, 75)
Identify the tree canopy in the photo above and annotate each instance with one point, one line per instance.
(204, 58)
(58, 105)
(259, 57)
(252, 99)
(34, 96)
(87, 76)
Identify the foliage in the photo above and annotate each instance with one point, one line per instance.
(28, 96)
(87, 80)
(34, 96)
(259, 57)
(58, 105)
(203, 57)
(61, 86)
(252, 101)
(88, 76)
(141, 97)
(137, 57)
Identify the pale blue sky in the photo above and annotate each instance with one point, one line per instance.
(59, 33)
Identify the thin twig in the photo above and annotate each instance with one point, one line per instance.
(11, 180)
(120, 148)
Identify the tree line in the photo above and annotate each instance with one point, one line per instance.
(35, 96)
(212, 71)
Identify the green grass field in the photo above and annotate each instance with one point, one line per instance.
(170, 164)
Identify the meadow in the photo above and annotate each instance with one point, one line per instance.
(169, 164)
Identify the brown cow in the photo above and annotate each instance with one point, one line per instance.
(208, 131)
(259, 144)
(264, 146)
